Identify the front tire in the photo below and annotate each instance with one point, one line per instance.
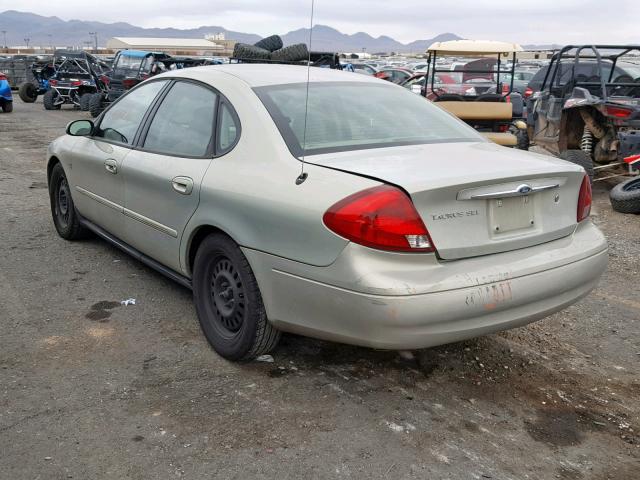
(65, 217)
(84, 100)
(49, 100)
(228, 301)
(96, 104)
(7, 107)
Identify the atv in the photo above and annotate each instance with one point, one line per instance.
(42, 71)
(77, 77)
(593, 120)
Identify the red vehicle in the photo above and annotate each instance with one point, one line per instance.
(394, 74)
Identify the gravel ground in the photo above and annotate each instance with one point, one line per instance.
(92, 389)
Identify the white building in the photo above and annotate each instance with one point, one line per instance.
(173, 46)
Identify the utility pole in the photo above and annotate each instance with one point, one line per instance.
(4, 43)
(50, 42)
(95, 40)
(27, 40)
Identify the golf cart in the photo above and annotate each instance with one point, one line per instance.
(594, 120)
(76, 78)
(481, 96)
(131, 67)
(41, 70)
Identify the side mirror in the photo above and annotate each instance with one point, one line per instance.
(80, 128)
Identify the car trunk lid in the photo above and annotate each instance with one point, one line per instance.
(475, 198)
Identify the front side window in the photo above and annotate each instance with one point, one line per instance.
(356, 115)
(183, 124)
(120, 123)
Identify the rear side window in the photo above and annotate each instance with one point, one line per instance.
(120, 123)
(228, 129)
(183, 124)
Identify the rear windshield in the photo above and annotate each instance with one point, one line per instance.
(354, 116)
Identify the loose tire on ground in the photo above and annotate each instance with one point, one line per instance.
(96, 104)
(292, 53)
(579, 158)
(49, 98)
(65, 217)
(84, 100)
(250, 52)
(228, 301)
(625, 197)
(28, 92)
(272, 43)
(7, 107)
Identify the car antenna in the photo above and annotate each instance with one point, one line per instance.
(303, 175)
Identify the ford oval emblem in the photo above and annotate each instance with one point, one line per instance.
(524, 189)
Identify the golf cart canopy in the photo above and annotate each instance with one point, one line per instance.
(474, 48)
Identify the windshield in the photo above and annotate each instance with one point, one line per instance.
(353, 116)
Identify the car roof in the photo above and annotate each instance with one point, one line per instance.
(261, 74)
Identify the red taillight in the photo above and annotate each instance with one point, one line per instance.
(53, 82)
(528, 92)
(76, 83)
(130, 82)
(380, 217)
(584, 199)
(617, 112)
(104, 79)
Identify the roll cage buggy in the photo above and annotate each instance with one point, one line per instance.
(77, 76)
(481, 98)
(131, 67)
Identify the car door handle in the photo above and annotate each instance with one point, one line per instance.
(182, 185)
(111, 166)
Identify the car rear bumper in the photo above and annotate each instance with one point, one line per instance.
(457, 300)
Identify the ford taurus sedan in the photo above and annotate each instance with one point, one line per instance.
(363, 215)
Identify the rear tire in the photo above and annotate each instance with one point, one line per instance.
(63, 211)
(579, 158)
(49, 99)
(228, 301)
(28, 92)
(7, 107)
(95, 104)
(625, 197)
(292, 53)
(84, 100)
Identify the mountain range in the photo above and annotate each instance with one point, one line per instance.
(46, 31)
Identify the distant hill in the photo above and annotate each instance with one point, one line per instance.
(45, 31)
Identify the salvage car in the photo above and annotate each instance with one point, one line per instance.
(6, 97)
(236, 182)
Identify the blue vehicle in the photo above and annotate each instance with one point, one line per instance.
(6, 99)
(42, 71)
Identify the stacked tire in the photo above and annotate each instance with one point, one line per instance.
(271, 48)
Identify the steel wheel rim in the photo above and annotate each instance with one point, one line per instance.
(63, 207)
(227, 295)
(632, 186)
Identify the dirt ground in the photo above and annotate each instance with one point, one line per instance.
(92, 389)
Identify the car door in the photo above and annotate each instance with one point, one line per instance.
(163, 176)
(97, 160)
